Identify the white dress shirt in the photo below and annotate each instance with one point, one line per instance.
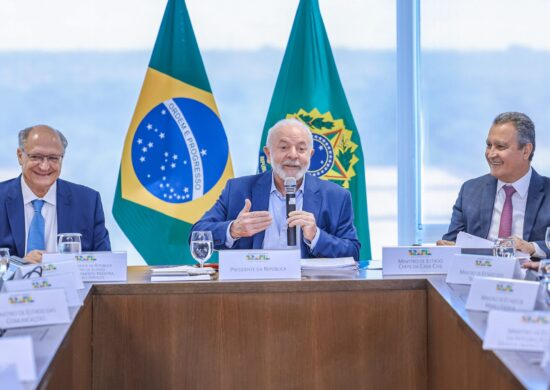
(519, 203)
(49, 212)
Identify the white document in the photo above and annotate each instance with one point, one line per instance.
(518, 331)
(32, 308)
(182, 270)
(17, 352)
(8, 377)
(67, 266)
(417, 260)
(464, 268)
(502, 294)
(257, 264)
(329, 263)
(181, 273)
(178, 278)
(65, 281)
(467, 240)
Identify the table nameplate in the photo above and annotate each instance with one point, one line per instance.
(52, 268)
(464, 268)
(417, 260)
(258, 264)
(65, 281)
(33, 308)
(518, 331)
(502, 294)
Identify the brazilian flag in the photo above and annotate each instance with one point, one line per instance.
(176, 158)
(308, 88)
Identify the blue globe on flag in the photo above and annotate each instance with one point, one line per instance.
(179, 150)
(323, 157)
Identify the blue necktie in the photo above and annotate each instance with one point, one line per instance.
(36, 230)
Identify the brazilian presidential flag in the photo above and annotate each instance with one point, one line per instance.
(308, 88)
(176, 158)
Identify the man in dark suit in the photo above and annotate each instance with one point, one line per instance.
(250, 212)
(37, 205)
(513, 200)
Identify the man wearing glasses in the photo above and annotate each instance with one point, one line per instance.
(37, 205)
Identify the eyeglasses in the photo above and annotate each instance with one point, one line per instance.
(53, 159)
(36, 270)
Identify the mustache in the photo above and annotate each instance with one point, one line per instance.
(291, 162)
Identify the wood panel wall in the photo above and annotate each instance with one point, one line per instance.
(273, 340)
(72, 366)
(456, 359)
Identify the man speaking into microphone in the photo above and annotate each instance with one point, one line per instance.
(285, 207)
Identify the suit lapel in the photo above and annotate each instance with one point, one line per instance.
(64, 200)
(487, 205)
(16, 215)
(260, 202)
(312, 204)
(535, 196)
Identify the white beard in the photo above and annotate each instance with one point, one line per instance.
(279, 171)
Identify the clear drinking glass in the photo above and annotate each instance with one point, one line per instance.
(201, 246)
(69, 243)
(544, 277)
(4, 259)
(504, 247)
(544, 270)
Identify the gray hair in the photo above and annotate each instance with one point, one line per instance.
(524, 127)
(24, 135)
(288, 122)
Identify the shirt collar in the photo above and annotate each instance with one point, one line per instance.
(521, 185)
(29, 196)
(276, 191)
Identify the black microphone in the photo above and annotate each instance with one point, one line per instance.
(290, 189)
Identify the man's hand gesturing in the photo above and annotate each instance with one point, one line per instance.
(249, 222)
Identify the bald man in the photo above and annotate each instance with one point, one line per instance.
(37, 205)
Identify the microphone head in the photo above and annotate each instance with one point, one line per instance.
(290, 185)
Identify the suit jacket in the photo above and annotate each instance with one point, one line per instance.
(328, 202)
(473, 210)
(79, 210)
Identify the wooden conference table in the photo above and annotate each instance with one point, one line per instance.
(368, 331)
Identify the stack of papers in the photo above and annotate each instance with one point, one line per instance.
(339, 263)
(338, 268)
(469, 241)
(180, 273)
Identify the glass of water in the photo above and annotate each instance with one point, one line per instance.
(201, 246)
(504, 247)
(544, 270)
(544, 277)
(69, 243)
(4, 259)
